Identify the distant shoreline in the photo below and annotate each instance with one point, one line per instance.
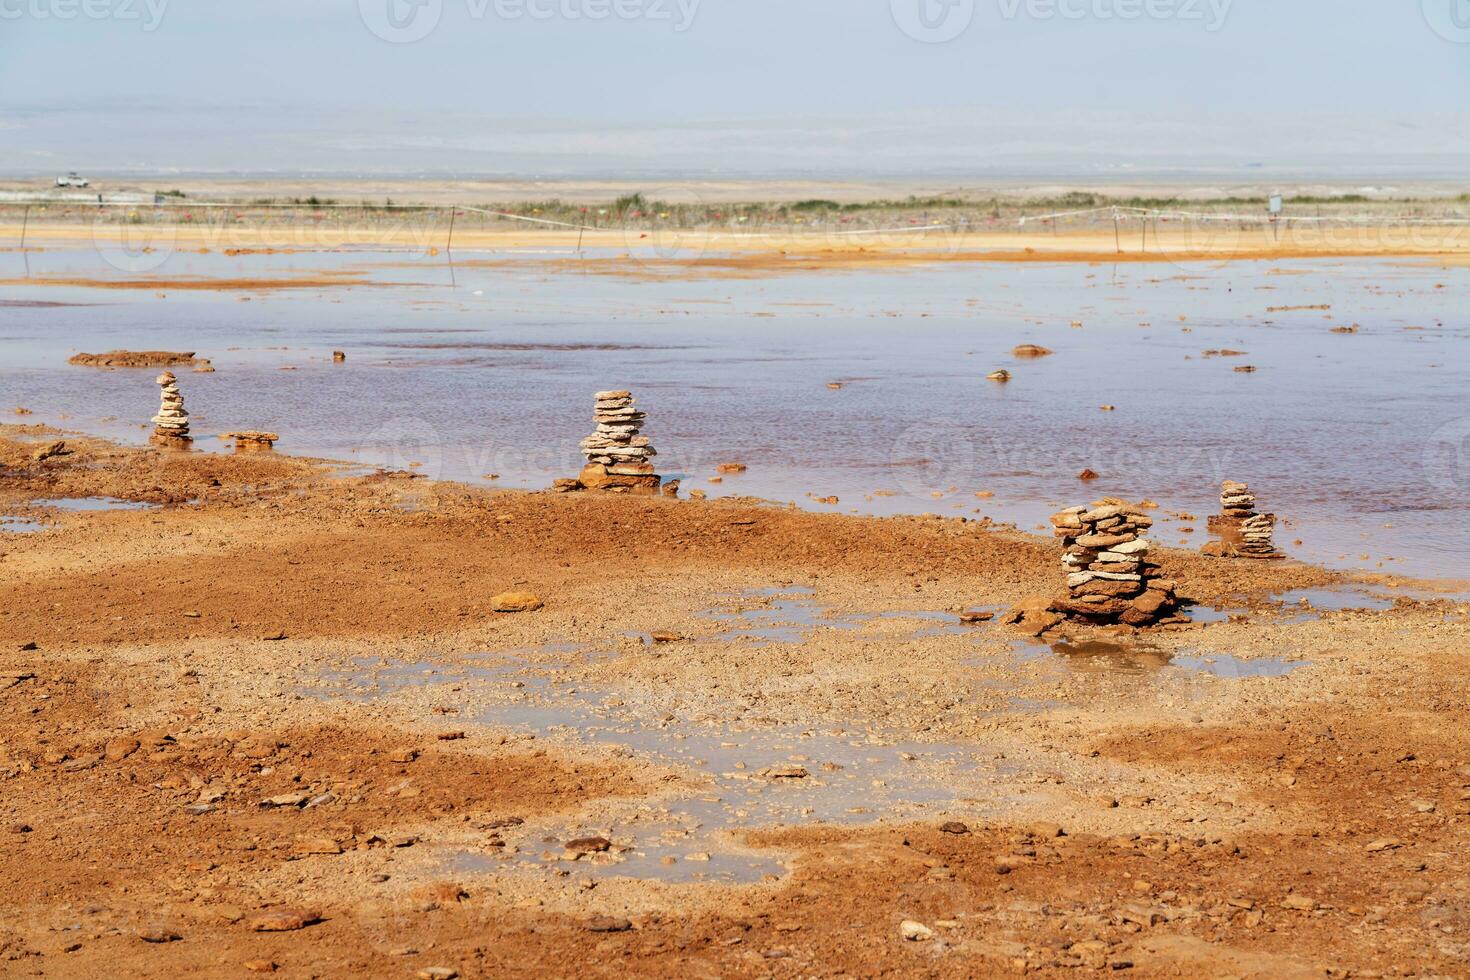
(733, 190)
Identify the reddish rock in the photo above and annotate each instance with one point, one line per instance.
(513, 602)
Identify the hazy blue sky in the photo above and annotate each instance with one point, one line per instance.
(497, 85)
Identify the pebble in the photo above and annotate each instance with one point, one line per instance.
(608, 923)
(282, 920)
(914, 931)
(514, 602)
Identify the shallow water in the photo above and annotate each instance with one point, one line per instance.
(845, 777)
(93, 504)
(1356, 441)
(19, 525)
(1228, 665)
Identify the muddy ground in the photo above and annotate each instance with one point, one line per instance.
(273, 723)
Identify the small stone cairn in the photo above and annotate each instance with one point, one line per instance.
(1243, 533)
(618, 458)
(1109, 576)
(171, 424)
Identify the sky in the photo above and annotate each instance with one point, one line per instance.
(605, 87)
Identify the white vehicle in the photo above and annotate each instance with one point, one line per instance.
(72, 180)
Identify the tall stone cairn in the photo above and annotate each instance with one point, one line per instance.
(1243, 532)
(1109, 576)
(172, 422)
(618, 458)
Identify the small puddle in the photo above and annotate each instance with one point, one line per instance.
(1107, 655)
(1114, 656)
(93, 504)
(763, 616)
(20, 525)
(788, 615)
(1228, 665)
(1303, 605)
(764, 778)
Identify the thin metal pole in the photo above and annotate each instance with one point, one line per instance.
(580, 233)
(23, 223)
(1117, 242)
(449, 246)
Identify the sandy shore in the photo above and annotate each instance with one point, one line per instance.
(165, 671)
(733, 253)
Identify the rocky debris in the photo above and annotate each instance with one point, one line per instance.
(619, 459)
(141, 359)
(172, 422)
(1242, 532)
(50, 450)
(914, 931)
(438, 894)
(1031, 350)
(511, 602)
(1109, 576)
(976, 616)
(1089, 474)
(731, 468)
(159, 934)
(282, 920)
(785, 772)
(1002, 376)
(338, 356)
(1032, 616)
(608, 923)
(954, 827)
(251, 440)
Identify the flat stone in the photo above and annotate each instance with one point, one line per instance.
(282, 920)
(512, 602)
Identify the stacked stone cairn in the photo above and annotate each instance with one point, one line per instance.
(618, 458)
(1243, 533)
(171, 424)
(1109, 577)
